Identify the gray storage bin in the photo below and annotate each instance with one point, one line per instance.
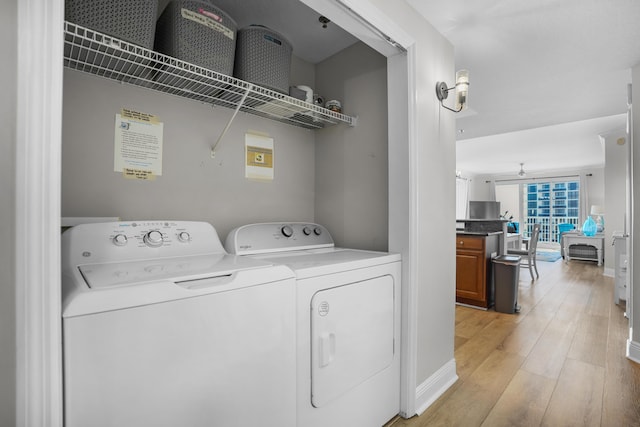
(129, 20)
(263, 57)
(199, 33)
(506, 274)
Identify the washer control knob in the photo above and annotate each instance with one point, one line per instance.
(287, 231)
(184, 236)
(153, 239)
(306, 230)
(317, 231)
(119, 240)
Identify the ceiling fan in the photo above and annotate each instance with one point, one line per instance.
(522, 173)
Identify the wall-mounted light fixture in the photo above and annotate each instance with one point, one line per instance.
(462, 91)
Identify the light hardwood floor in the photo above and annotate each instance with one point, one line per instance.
(560, 362)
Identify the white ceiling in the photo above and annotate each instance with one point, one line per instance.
(547, 77)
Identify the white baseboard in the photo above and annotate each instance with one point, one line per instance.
(434, 386)
(633, 351)
(609, 272)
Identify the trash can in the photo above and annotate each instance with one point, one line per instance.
(506, 274)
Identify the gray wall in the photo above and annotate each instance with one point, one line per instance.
(348, 168)
(351, 162)
(193, 186)
(8, 33)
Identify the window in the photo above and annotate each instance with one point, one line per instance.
(550, 204)
(547, 203)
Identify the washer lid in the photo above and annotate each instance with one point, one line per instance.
(179, 269)
(96, 288)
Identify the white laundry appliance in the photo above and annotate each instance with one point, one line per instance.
(161, 327)
(348, 302)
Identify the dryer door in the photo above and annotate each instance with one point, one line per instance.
(351, 336)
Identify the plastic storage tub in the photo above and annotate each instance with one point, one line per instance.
(199, 33)
(263, 57)
(131, 21)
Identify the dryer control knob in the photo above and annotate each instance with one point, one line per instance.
(153, 239)
(286, 231)
(184, 236)
(317, 231)
(119, 240)
(306, 230)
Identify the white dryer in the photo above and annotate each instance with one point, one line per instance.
(348, 319)
(162, 327)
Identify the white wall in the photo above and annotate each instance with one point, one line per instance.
(634, 342)
(431, 198)
(615, 191)
(351, 162)
(479, 188)
(8, 32)
(509, 198)
(481, 184)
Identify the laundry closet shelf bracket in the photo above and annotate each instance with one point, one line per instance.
(226, 128)
(95, 53)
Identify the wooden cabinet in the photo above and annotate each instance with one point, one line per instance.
(474, 278)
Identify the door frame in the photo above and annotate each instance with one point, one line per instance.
(37, 213)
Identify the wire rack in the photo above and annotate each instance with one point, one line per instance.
(105, 56)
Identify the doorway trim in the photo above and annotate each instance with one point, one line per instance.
(37, 213)
(374, 28)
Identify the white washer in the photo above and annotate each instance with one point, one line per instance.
(348, 362)
(162, 327)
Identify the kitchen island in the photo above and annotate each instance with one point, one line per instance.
(477, 242)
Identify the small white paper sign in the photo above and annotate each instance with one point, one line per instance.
(138, 145)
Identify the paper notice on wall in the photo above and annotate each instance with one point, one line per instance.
(138, 174)
(258, 157)
(138, 145)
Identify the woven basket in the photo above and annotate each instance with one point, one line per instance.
(128, 20)
(199, 33)
(263, 57)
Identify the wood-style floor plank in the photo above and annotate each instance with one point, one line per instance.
(560, 362)
(523, 403)
(621, 400)
(577, 398)
(473, 352)
(473, 321)
(549, 353)
(525, 336)
(469, 405)
(589, 338)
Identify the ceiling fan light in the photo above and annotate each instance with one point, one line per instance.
(522, 173)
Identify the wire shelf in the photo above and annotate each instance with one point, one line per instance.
(105, 56)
